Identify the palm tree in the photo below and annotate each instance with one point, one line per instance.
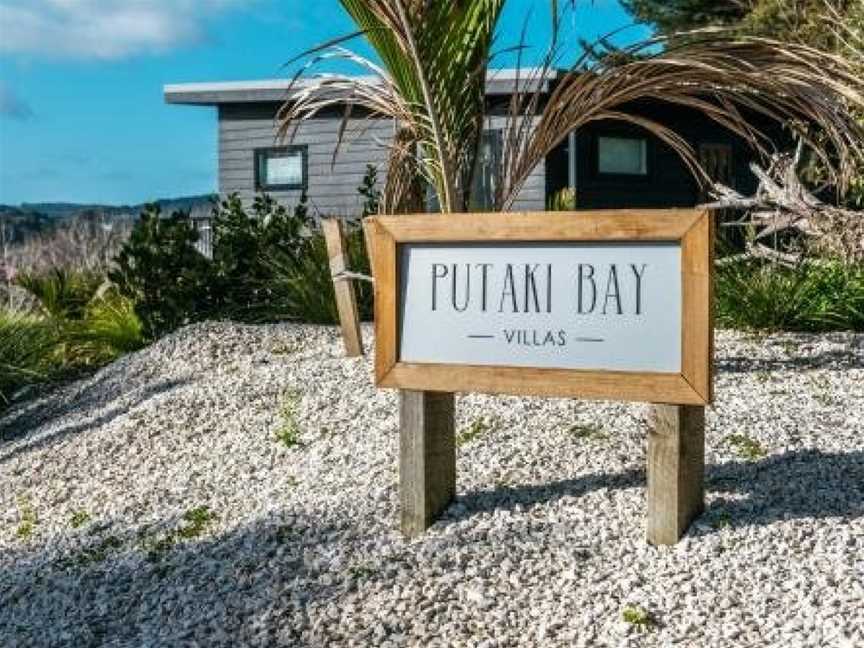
(435, 57)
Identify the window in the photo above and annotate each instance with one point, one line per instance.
(622, 156)
(281, 169)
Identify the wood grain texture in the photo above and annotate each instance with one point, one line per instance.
(697, 340)
(676, 471)
(427, 458)
(346, 296)
(382, 256)
(613, 225)
(526, 381)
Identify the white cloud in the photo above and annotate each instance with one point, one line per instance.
(104, 29)
(13, 106)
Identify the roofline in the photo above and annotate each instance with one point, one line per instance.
(498, 82)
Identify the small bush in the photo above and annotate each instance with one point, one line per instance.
(272, 264)
(245, 243)
(562, 200)
(814, 296)
(370, 192)
(162, 273)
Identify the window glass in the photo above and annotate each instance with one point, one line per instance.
(281, 168)
(622, 155)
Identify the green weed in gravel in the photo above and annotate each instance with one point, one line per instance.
(638, 617)
(28, 519)
(285, 348)
(288, 432)
(721, 521)
(196, 522)
(479, 427)
(98, 552)
(588, 431)
(79, 519)
(361, 572)
(746, 447)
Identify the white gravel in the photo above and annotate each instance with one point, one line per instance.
(544, 547)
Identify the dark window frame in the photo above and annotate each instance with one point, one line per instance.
(261, 154)
(646, 177)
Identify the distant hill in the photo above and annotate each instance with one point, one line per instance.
(70, 210)
(30, 219)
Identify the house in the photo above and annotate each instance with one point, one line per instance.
(608, 164)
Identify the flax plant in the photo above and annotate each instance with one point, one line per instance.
(435, 58)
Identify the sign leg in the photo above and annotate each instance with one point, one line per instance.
(676, 471)
(427, 458)
(346, 297)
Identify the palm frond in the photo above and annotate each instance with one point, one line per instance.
(432, 84)
(796, 86)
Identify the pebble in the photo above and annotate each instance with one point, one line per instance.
(544, 545)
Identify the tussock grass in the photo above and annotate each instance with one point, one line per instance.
(27, 347)
(815, 296)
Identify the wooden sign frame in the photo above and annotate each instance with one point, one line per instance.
(692, 229)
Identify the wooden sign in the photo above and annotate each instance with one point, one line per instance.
(605, 305)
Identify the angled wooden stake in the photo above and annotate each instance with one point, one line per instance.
(346, 296)
(427, 458)
(676, 471)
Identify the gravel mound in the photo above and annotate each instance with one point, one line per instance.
(236, 486)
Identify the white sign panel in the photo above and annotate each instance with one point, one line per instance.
(568, 305)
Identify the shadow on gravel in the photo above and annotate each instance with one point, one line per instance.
(796, 485)
(802, 484)
(20, 424)
(837, 360)
(248, 587)
(508, 497)
(256, 585)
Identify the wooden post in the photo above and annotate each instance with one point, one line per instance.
(427, 458)
(676, 471)
(346, 297)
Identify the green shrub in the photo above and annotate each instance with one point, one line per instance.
(272, 264)
(27, 346)
(369, 191)
(814, 296)
(245, 242)
(269, 263)
(162, 273)
(563, 200)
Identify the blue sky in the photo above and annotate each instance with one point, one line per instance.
(82, 117)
